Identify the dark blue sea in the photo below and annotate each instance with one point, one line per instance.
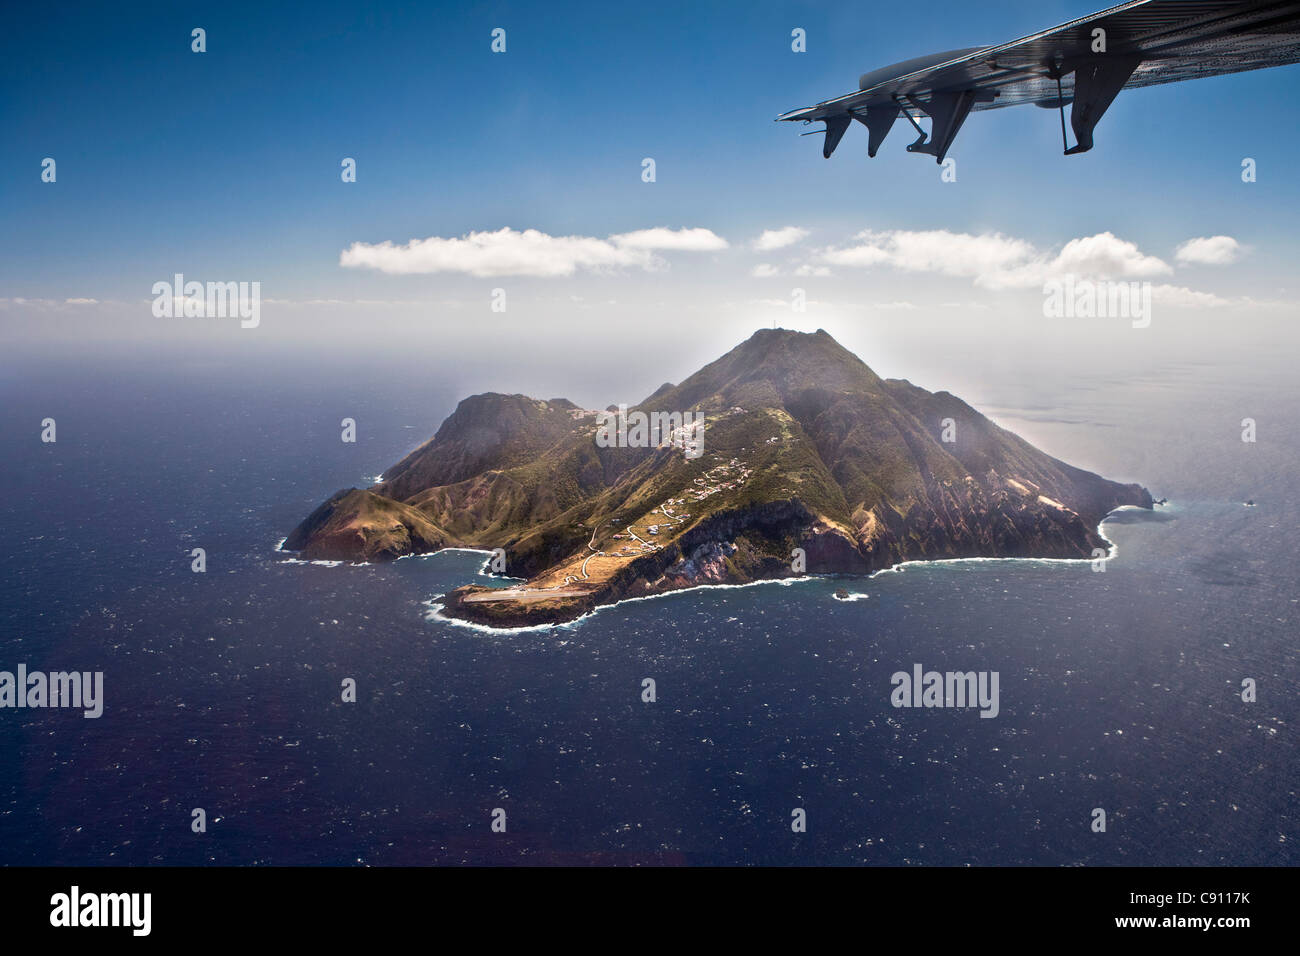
(1118, 690)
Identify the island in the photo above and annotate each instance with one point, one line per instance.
(803, 462)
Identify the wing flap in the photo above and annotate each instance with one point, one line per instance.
(1174, 40)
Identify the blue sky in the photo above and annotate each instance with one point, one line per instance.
(225, 165)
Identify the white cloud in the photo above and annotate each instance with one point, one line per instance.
(509, 252)
(1209, 251)
(368, 303)
(764, 271)
(996, 261)
(1184, 298)
(1107, 256)
(501, 253)
(811, 270)
(779, 238)
(41, 303)
(676, 240)
(938, 250)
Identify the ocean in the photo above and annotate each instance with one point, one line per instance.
(1119, 690)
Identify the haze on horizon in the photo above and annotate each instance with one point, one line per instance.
(225, 166)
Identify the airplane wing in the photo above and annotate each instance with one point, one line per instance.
(1084, 63)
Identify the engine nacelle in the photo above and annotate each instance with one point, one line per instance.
(868, 80)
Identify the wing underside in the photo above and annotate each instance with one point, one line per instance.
(1141, 43)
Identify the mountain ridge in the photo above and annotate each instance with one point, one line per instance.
(805, 447)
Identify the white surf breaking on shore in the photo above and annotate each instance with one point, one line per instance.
(436, 607)
(1112, 550)
(327, 563)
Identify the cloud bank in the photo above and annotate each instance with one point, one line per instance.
(509, 252)
(993, 260)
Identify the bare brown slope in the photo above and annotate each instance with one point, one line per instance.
(358, 525)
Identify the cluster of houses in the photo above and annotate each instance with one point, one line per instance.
(639, 544)
(671, 513)
(725, 477)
